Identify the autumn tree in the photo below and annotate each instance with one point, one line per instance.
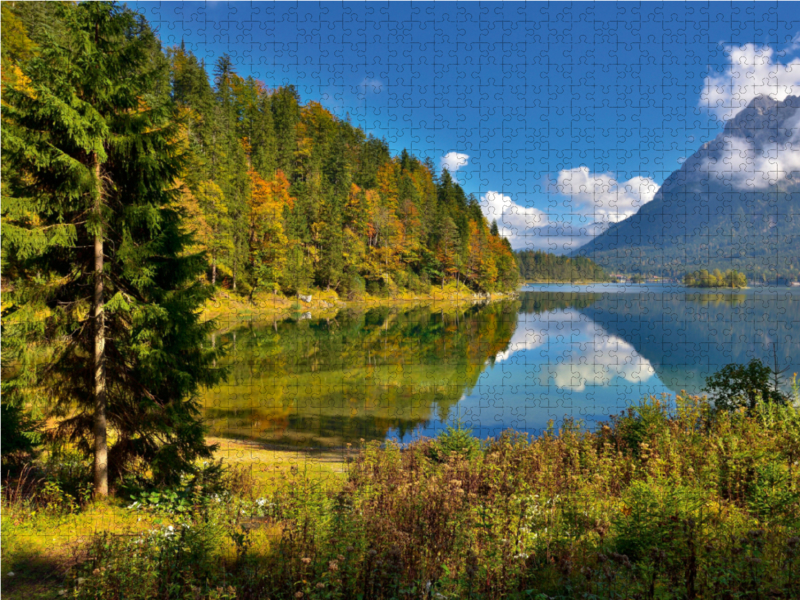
(267, 239)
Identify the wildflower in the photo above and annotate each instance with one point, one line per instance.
(521, 555)
(333, 566)
(320, 586)
(81, 580)
(96, 572)
(298, 595)
(10, 574)
(62, 592)
(340, 557)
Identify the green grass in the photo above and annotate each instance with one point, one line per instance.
(45, 538)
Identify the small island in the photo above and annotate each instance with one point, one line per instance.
(703, 279)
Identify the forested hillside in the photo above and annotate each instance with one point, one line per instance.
(284, 196)
(539, 266)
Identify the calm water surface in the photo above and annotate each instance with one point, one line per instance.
(578, 351)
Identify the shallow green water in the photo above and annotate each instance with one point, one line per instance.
(579, 351)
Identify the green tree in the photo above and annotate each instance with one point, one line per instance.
(231, 173)
(285, 106)
(739, 386)
(94, 246)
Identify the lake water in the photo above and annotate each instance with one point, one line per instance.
(558, 350)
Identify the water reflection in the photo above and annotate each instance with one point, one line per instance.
(687, 336)
(358, 376)
(585, 353)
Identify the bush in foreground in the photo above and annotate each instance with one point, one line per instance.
(690, 503)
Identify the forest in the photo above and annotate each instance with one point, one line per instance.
(538, 266)
(283, 196)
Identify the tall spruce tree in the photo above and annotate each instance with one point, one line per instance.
(232, 172)
(95, 250)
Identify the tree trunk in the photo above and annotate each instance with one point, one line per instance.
(214, 269)
(98, 313)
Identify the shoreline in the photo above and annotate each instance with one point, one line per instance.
(326, 304)
(565, 282)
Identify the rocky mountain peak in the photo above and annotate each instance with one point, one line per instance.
(727, 205)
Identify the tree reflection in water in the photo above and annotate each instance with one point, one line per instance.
(397, 373)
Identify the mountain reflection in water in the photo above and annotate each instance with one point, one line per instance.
(584, 353)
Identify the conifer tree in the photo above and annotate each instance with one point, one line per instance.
(285, 106)
(95, 248)
(231, 174)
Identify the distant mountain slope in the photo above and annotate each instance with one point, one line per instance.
(734, 204)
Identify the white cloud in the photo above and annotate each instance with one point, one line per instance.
(369, 86)
(593, 358)
(751, 72)
(512, 219)
(453, 161)
(795, 45)
(744, 167)
(600, 196)
(522, 339)
(592, 201)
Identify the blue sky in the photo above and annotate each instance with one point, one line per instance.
(560, 117)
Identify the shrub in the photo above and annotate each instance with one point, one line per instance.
(171, 562)
(355, 286)
(740, 386)
(20, 436)
(455, 440)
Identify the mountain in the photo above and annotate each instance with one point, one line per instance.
(734, 204)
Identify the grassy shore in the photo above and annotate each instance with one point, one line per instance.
(263, 307)
(657, 503)
(47, 532)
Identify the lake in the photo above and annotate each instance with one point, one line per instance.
(584, 352)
